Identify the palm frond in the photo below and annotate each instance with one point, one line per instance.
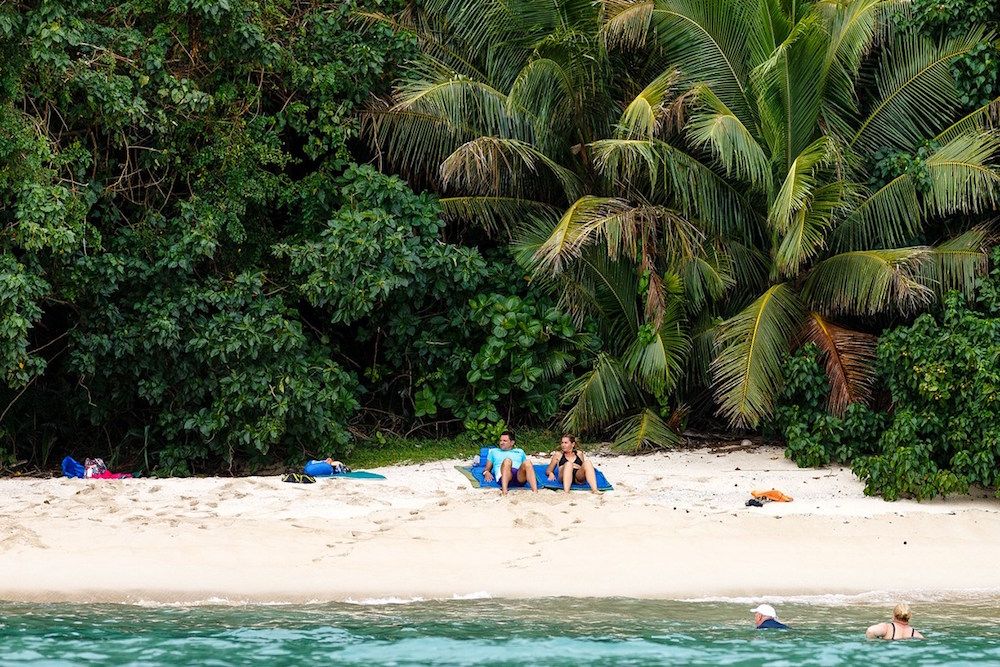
(730, 141)
(964, 176)
(645, 431)
(790, 88)
(545, 89)
(957, 263)
(442, 93)
(749, 265)
(413, 141)
(567, 237)
(656, 362)
(602, 291)
(986, 117)
(752, 346)
(868, 282)
(625, 229)
(705, 277)
(555, 363)
(500, 166)
(626, 23)
(644, 115)
(707, 41)
(599, 395)
(699, 192)
(704, 333)
(855, 30)
(850, 361)
(806, 236)
(857, 27)
(768, 28)
(799, 184)
(501, 35)
(916, 96)
(887, 217)
(495, 214)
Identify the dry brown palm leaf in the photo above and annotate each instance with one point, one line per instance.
(850, 361)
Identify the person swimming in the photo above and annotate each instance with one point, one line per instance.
(766, 618)
(570, 465)
(898, 628)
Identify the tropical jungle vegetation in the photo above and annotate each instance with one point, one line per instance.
(245, 231)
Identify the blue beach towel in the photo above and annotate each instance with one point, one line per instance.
(72, 468)
(324, 469)
(475, 475)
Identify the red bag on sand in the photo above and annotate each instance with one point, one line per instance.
(111, 475)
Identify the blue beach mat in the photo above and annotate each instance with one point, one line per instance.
(324, 469)
(475, 475)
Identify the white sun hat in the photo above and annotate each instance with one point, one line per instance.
(765, 610)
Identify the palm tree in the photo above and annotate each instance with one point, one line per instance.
(700, 176)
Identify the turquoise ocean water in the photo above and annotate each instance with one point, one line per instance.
(487, 632)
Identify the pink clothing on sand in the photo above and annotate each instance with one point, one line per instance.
(111, 475)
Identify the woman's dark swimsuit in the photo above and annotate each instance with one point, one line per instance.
(912, 631)
(577, 463)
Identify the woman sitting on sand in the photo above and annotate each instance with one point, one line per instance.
(898, 628)
(571, 466)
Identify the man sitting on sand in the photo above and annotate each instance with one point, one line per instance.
(898, 628)
(513, 465)
(766, 618)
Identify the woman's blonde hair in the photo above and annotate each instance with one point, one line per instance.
(901, 612)
(572, 438)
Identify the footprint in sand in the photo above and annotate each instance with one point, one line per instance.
(442, 503)
(533, 519)
(19, 536)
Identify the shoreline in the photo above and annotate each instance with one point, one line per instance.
(674, 528)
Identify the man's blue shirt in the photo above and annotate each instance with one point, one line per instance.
(771, 624)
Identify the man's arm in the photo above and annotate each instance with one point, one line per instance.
(876, 631)
(487, 475)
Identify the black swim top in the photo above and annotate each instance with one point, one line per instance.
(894, 631)
(563, 460)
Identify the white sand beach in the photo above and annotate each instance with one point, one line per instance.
(675, 527)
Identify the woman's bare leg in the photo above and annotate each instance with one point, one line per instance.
(567, 477)
(586, 472)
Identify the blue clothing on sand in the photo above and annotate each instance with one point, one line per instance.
(772, 624)
(497, 456)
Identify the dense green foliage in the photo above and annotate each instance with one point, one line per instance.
(943, 432)
(709, 182)
(624, 213)
(813, 435)
(195, 270)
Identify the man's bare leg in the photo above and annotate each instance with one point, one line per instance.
(526, 473)
(505, 476)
